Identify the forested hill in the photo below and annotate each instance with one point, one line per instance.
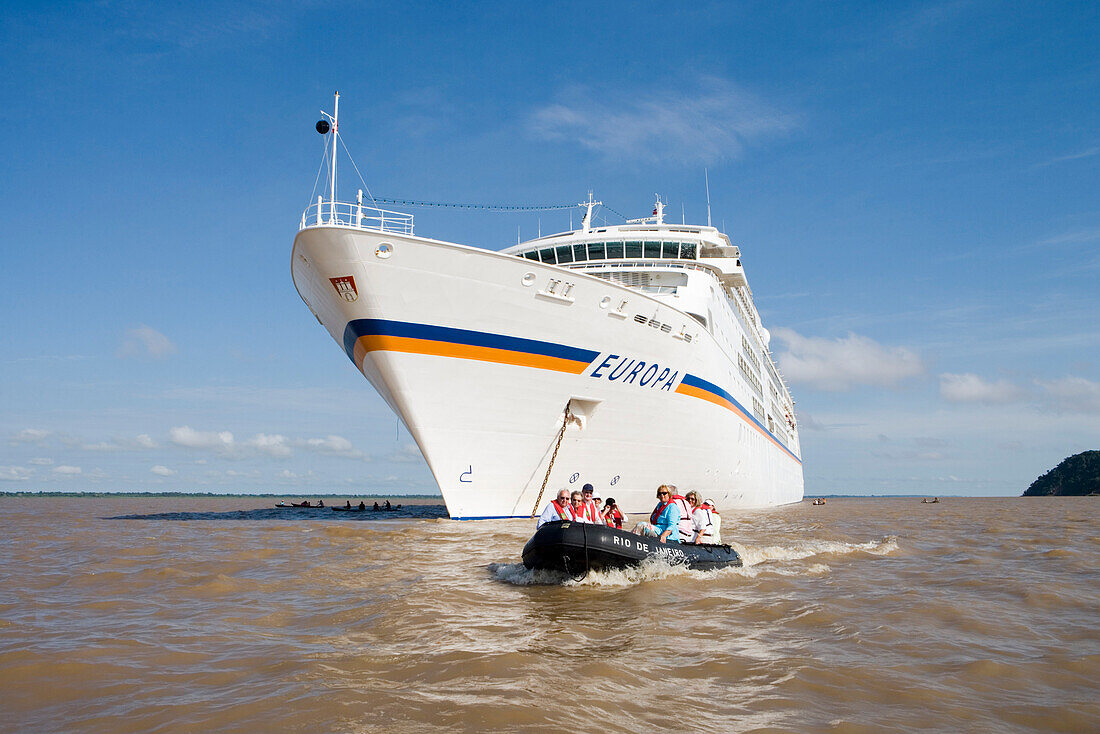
(1076, 476)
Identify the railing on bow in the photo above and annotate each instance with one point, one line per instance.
(357, 216)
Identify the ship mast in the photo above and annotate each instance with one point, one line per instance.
(586, 225)
(332, 163)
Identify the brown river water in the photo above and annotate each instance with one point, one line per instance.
(127, 614)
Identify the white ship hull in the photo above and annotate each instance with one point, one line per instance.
(479, 359)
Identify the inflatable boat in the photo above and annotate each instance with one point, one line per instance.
(576, 548)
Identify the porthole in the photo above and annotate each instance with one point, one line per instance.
(384, 250)
(605, 301)
(529, 278)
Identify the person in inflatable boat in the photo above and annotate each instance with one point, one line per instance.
(612, 515)
(703, 518)
(556, 509)
(664, 521)
(591, 504)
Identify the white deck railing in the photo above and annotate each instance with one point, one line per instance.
(357, 216)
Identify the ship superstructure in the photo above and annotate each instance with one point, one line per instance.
(625, 356)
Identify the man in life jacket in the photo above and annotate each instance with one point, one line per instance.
(591, 506)
(664, 521)
(558, 509)
(702, 523)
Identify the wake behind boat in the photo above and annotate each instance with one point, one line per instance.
(578, 547)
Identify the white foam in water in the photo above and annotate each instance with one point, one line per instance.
(752, 556)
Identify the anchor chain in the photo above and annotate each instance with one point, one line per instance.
(564, 425)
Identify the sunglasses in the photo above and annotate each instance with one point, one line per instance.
(662, 494)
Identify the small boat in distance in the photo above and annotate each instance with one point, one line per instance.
(576, 547)
(301, 505)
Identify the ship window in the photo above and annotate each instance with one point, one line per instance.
(547, 255)
(670, 249)
(653, 249)
(614, 250)
(595, 251)
(687, 251)
(532, 255)
(579, 254)
(565, 254)
(633, 249)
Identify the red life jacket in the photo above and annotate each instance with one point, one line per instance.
(614, 518)
(565, 513)
(657, 512)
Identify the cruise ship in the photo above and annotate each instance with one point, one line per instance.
(625, 356)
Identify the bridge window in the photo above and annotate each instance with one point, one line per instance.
(532, 255)
(687, 251)
(595, 251)
(633, 249)
(614, 250)
(670, 249)
(547, 256)
(565, 254)
(579, 253)
(653, 250)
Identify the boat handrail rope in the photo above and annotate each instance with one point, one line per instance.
(564, 425)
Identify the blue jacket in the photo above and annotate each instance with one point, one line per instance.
(670, 518)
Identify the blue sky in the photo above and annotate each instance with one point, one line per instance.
(914, 186)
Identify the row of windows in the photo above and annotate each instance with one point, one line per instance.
(749, 353)
(636, 250)
(749, 376)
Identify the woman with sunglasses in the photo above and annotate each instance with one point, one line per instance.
(664, 521)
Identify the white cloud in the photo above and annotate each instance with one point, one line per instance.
(146, 341)
(66, 469)
(101, 446)
(144, 441)
(842, 364)
(406, 453)
(30, 435)
(333, 446)
(1072, 394)
(1087, 153)
(270, 444)
(15, 473)
(970, 388)
(188, 437)
(163, 471)
(707, 124)
(41, 462)
(224, 444)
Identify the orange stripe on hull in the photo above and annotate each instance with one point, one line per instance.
(384, 343)
(719, 400)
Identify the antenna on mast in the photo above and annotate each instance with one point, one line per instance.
(586, 223)
(323, 127)
(706, 178)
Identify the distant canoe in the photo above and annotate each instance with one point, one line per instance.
(299, 506)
